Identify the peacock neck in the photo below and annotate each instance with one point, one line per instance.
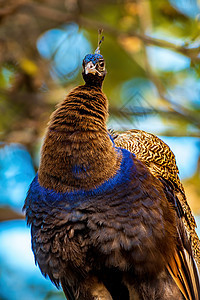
(77, 151)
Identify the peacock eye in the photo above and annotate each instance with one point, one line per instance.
(101, 64)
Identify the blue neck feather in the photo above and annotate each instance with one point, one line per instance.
(39, 194)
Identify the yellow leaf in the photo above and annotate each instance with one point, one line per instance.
(131, 44)
(28, 66)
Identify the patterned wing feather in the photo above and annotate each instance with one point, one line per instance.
(160, 160)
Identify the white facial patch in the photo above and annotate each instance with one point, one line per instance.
(90, 68)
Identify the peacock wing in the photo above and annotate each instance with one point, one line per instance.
(160, 160)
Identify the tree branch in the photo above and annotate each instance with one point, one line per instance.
(148, 40)
(60, 17)
(11, 9)
(126, 113)
(178, 109)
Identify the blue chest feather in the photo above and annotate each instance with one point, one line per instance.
(42, 195)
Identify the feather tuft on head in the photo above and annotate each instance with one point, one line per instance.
(100, 40)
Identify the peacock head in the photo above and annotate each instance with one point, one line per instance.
(94, 69)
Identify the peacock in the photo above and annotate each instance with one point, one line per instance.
(108, 214)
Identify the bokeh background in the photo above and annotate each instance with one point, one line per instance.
(152, 50)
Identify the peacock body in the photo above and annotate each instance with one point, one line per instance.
(105, 221)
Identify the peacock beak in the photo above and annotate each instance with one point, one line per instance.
(90, 68)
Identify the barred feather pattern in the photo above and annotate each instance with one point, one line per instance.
(161, 161)
(76, 134)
